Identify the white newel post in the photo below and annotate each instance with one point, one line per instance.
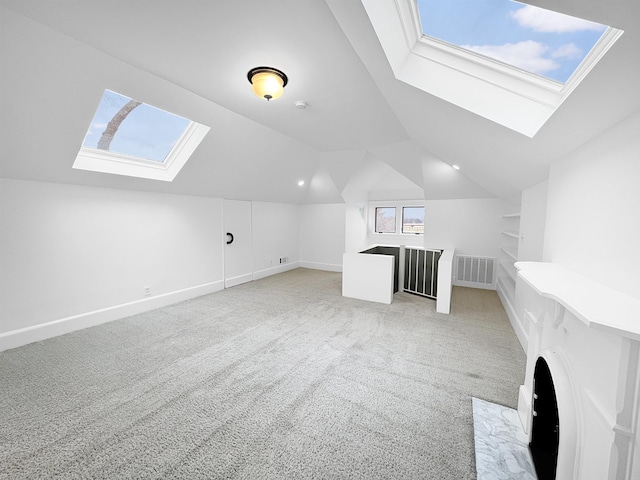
(401, 258)
(445, 281)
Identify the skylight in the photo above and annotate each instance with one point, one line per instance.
(539, 41)
(128, 137)
(513, 74)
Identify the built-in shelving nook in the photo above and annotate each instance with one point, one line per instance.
(507, 273)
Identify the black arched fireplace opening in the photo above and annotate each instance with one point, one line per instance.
(545, 430)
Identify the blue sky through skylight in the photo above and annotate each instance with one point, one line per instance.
(539, 41)
(147, 132)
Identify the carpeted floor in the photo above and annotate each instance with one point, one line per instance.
(281, 378)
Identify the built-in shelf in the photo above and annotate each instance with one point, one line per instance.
(509, 269)
(511, 252)
(508, 286)
(507, 273)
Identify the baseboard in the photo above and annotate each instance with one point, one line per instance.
(35, 333)
(280, 268)
(481, 286)
(329, 267)
(516, 324)
(237, 280)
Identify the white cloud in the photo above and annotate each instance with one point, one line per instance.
(541, 20)
(568, 50)
(528, 55)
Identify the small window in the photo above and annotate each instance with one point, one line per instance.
(412, 219)
(385, 220)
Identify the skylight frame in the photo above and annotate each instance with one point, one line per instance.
(105, 161)
(594, 55)
(505, 94)
(550, 35)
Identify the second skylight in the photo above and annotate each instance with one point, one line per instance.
(539, 41)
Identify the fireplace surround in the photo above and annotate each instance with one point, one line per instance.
(588, 336)
(545, 424)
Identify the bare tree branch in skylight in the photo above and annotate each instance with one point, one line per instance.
(114, 124)
(129, 127)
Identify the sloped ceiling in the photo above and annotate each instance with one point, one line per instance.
(363, 129)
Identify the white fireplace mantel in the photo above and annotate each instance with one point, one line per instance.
(597, 305)
(589, 334)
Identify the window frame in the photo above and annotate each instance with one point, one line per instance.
(515, 70)
(104, 161)
(395, 220)
(402, 220)
(398, 206)
(506, 95)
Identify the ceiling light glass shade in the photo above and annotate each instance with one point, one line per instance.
(267, 82)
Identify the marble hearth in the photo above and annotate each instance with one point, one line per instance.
(589, 336)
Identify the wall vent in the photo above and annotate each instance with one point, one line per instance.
(476, 272)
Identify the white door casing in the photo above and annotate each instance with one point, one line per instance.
(238, 254)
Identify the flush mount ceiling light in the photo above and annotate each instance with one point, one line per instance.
(267, 82)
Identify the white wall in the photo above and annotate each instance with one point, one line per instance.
(356, 233)
(356, 195)
(322, 236)
(70, 250)
(593, 209)
(471, 226)
(533, 214)
(74, 256)
(84, 255)
(275, 235)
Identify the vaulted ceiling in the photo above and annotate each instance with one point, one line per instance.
(363, 129)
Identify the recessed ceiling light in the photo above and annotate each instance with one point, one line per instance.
(301, 183)
(455, 167)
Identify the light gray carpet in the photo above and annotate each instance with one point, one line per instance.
(281, 378)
